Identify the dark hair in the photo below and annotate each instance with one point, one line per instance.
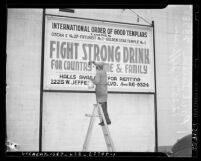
(99, 67)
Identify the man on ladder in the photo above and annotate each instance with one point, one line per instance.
(100, 108)
(100, 81)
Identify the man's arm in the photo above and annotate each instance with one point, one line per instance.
(92, 62)
(96, 80)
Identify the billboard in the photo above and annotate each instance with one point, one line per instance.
(126, 50)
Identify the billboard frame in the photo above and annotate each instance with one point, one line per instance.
(42, 90)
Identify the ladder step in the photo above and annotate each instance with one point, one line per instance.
(90, 115)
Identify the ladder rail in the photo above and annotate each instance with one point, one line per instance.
(105, 123)
(89, 131)
(108, 141)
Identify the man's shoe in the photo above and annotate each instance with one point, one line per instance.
(101, 123)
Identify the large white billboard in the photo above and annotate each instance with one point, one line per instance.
(126, 49)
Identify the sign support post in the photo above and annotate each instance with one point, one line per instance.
(155, 93)
(41, 82)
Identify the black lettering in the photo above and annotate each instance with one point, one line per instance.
(52, 48)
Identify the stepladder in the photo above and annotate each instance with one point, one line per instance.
(98, 112)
